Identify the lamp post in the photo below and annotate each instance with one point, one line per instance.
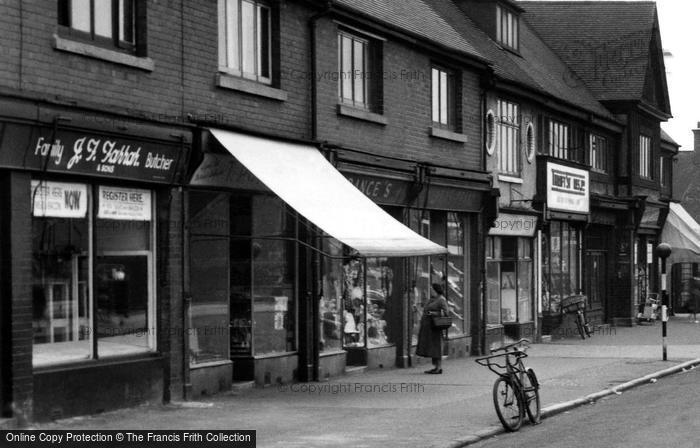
(663, 250)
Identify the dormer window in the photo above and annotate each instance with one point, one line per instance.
(507, 28)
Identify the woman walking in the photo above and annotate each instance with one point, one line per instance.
(429, 337)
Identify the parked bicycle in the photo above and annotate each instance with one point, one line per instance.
(516, 390)
(577, 304)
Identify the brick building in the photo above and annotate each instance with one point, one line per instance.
(178, 201)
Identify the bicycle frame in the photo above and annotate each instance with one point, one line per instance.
(507, 363)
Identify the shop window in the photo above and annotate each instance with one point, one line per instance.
(333, 331)
(560, 265)
(119, 291)
(111, 23)
(508, 138)
(450, 230)
(358, 61)
(509, 280)
(208, 318)
(262, 276)
(245, 39)
(367, 291)
(444, 98)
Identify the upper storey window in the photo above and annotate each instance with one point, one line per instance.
(245, 39)
(507, 28)
(111, 23)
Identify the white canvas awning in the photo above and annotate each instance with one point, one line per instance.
(682, 233)
(304, 179)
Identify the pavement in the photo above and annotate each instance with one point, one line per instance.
(407, 408)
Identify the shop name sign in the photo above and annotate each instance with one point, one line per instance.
(567, 188)
(104, 154)
(74, 152)
(514, 225)
(58, 199)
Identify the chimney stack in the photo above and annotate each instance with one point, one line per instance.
(696, 132)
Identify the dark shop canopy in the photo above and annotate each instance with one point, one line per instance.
(682, 233)
(302, 177)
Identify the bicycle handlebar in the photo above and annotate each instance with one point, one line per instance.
(505, 348)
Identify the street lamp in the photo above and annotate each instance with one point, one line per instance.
(663, 250)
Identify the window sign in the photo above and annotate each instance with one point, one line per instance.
(58, 199)
(567, 188)
(128, 204)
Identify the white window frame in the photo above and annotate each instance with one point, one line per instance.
(598, 153)
(508, 124)
(559, 139)
(443, 97)
(644, 159)
(151, 256)
(507, 28)
(101, 12)
(231, 40)
(663, 174)
(353, 80)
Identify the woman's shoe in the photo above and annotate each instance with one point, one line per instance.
(434, 371)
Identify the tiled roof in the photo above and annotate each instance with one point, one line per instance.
(667, 138)
(537, 67)
(606, 44)
(416, 17)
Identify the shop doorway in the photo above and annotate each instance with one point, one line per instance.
(597, 285)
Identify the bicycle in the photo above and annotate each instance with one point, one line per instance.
(577, 304)
(516, 390)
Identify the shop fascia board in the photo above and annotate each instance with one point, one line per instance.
(29, 110)
(349, 159)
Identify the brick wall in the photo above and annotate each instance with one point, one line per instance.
(45, 72)
(290, 118)
(21, 296)
(407, 107)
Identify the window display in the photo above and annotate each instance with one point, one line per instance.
(209, 283)
(262, 276)
(508, 280)
(354, 303)
(66, 241)
(447, 229)
(379, 300)
(561, 254)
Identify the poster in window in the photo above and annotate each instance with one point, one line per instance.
(58, 199)
(127, 204)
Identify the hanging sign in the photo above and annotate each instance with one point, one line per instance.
(127, 204)
(567, 188)
(58, 199)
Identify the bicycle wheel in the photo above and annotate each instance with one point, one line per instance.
(579, 325)
(507, 404)
(531, 393)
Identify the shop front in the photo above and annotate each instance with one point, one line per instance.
(510, 278)
(305, 266)
(88, 212)
(445, 211)
(601, 263)
(566, 215)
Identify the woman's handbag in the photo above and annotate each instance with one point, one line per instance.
(441, 322)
